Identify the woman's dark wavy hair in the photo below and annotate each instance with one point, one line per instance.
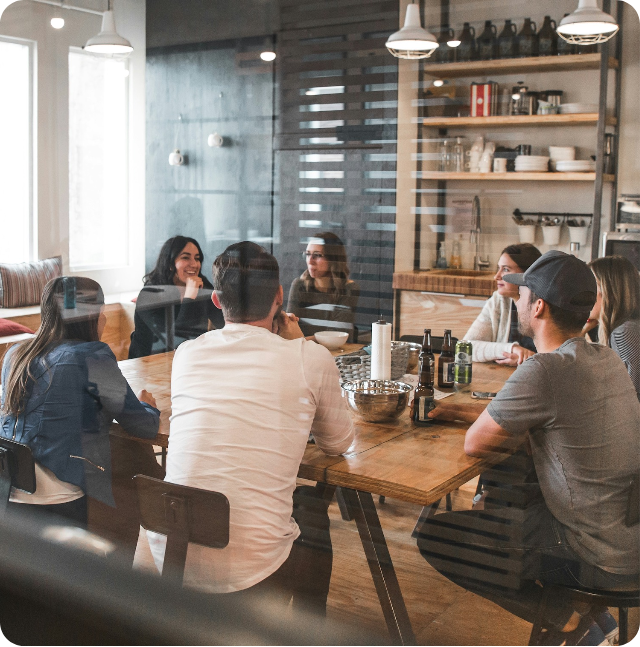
(165, 269)
(524, 255)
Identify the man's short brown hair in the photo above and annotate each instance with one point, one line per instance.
(246, 279)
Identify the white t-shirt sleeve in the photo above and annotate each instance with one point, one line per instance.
(332, 426)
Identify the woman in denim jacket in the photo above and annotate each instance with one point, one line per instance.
(61, 391)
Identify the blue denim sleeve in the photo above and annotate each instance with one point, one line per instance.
(116, 398)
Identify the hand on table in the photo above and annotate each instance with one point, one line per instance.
(452, 412)
(517, 355)
(145, 396)
(194, 283)
(287, 326)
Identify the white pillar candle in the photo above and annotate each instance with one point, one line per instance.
(381, 350)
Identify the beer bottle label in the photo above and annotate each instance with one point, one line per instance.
(463, 358)
(447, 371)
(423, 406)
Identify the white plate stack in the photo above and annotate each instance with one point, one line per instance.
(576, 166)
(532, 164)
(561, 154)
(577, 108)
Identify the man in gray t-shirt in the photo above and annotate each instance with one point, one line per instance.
(576, 406)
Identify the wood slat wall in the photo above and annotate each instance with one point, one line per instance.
(332, 53)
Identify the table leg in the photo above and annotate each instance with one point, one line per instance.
(344, 511)
(363, 510)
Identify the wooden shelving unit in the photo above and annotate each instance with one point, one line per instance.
(581, 119)
(566, 63)
(517, 177)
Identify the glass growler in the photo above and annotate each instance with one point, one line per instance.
(548, 38)
(467, 50)
(446, 363)
(423, 401)
(527, 39)
(507, 46)
(487, 42)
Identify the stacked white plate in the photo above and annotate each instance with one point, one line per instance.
(575, 166)
(532, 164)
(576, 108)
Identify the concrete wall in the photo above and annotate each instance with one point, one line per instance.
(30, 20)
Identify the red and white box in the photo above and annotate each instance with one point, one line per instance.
(484, 99)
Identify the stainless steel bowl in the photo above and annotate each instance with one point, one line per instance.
(414, 351)
(377, 400)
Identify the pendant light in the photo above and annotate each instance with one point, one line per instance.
(587, 25)
(57, 22)
(108, 41)
(412, 41)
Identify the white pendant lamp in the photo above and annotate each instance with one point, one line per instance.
(4, 4)
(108, 41)
(587, 25)
(412, 41)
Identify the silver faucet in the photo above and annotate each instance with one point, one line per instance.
(478, 262)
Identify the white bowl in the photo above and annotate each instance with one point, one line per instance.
(331, 339)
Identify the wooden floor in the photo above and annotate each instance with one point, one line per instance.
(441, 612)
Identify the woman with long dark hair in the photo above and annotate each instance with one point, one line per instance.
(324, 298)
(617, 311)
(175, 302)
(61, 391)
(494, 335)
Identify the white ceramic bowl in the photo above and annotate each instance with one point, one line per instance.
(331, 339)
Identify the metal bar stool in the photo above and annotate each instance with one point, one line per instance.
(185, 515)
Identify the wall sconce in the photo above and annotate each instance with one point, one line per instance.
(215, 141)
(176, 158)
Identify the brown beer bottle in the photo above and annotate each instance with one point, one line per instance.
(423, 398)
(446, 362)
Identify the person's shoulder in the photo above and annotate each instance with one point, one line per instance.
(316, 353)
(630, 329)
(298, 284)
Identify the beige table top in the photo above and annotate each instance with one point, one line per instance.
(395, 459)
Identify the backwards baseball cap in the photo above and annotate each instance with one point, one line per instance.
(561, 280)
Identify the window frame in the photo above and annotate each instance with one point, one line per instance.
(32, 47)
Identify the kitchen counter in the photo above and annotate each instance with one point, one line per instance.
(464, 282)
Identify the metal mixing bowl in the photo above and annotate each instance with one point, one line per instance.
(377, 400)
(414, 351)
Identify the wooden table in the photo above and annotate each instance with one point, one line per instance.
(395, 459)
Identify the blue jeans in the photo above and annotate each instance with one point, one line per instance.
(500, 554)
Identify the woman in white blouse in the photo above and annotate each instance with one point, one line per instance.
(494, 334)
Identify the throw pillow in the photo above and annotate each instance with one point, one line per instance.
(8, 327)
(21, 284)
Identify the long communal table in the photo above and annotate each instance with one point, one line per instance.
(394, 459)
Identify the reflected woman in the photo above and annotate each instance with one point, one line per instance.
(61, 391)
(324, 298)
(494, 334)
(617, 311)
(175, 302)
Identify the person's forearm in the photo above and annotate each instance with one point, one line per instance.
(469, 412)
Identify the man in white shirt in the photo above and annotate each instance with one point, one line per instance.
(243, 403)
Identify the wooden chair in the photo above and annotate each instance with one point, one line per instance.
(185, 515)
(17, 469)
(624, 600)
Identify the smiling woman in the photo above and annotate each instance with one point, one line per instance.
(175, 304)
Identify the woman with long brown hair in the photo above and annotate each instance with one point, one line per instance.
(617, 311)
(324, 297)
(61, 391)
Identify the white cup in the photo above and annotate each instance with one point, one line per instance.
(551, 235)
(500, 165)
(527, 233)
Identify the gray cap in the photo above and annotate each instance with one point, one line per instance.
(561, 280)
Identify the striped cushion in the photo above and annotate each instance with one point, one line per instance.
(21, 284)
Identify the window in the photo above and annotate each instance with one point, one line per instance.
(16, 161)
(98, 162)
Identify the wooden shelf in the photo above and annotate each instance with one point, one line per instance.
(518, 177)
(516, 65)
(584, 118)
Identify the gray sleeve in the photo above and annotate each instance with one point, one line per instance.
(526, 401)
(625, 340)
(293, 305)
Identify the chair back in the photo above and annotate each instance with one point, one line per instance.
(17, 469)
(185, 515)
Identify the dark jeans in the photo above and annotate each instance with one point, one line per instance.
(500, 553)
(306, 574)
(74, 512)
